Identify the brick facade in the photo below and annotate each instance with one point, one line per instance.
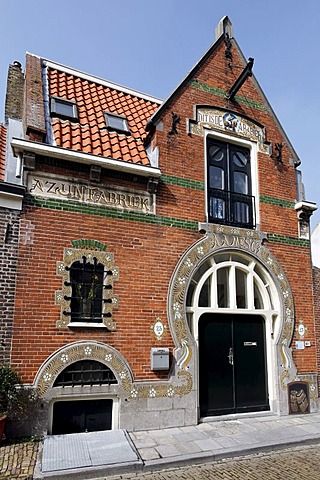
(9, 234)
(316, 283)
(15, 92)
(160, 252)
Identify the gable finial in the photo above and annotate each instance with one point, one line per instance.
(224, 27)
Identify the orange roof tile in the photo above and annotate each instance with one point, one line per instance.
(90, 133)
(3, 140)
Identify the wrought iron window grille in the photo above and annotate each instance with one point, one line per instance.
(87, 282)
(87, 296)
(229, 208)
(85, 372)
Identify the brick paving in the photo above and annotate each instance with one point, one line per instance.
(296, 463)
(17, 461)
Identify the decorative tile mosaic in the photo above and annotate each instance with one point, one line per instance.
(116, 362)
(222, 238)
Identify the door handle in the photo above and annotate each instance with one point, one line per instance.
(230, 356)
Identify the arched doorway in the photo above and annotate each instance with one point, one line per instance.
(233, 308)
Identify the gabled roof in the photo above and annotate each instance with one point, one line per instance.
(3, 140)
(224, 26)
(93, 98)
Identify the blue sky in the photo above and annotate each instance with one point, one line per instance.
(151, 45)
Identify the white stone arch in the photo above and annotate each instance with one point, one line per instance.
(82, 350)
(259, 295)
(220, 239)
(127, 387)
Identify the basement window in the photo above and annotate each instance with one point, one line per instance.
(117, 123)
(85, 372)
(64, 108)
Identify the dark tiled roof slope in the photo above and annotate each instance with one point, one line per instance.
(90, 134)
(3, 139)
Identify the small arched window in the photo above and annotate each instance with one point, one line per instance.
(87, 298)
(85, 372)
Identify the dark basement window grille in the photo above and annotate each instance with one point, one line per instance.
(85, 372)
(87, 285)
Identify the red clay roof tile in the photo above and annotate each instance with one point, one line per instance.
(90, 135)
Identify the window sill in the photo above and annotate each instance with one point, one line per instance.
(86, 325)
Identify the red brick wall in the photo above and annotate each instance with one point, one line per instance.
(316, 283)
(147, 254)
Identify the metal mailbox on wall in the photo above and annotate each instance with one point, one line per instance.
(159, 358)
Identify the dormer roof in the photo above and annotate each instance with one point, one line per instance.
(92, 98)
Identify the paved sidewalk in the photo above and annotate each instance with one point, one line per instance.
(222, 438)
(209, 441)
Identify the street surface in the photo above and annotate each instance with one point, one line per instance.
(297, 463)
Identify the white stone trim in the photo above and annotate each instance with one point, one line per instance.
(11, 201)
(100, 81)
(20, 145)
(253, 162)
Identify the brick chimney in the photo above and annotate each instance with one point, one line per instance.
(14, 95)
(34, 119)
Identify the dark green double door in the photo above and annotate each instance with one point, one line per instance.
(232, 364)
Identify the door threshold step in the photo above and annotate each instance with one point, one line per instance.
(237, 416)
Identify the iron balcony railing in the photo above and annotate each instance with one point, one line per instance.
(230, 208)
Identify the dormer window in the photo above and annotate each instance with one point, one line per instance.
(117, 123)
(63, 108)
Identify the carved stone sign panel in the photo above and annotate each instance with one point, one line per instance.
(216, 119)
(63, 189)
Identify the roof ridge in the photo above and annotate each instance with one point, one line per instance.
(101, 81)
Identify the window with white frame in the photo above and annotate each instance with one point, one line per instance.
(229, 189)
(230, 281)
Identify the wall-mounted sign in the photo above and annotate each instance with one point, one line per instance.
(158, 329)
(216, 119)
(299, 345)
(62, 189)
(301, 329)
